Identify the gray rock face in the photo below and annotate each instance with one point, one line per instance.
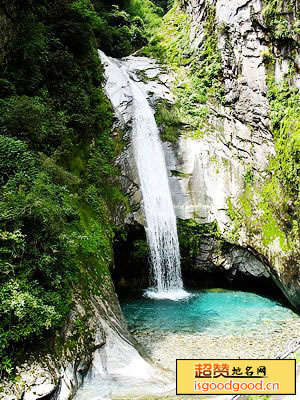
(212, 258)
(102, 350)
(241, 44)
(244, 140)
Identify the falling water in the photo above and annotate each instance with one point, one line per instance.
(161, 230)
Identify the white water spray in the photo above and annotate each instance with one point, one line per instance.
(161, 229)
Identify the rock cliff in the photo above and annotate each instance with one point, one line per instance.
(219, 174)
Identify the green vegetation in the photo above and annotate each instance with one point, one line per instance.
(280, 196)
(148, 12)
(180, 174)
(59, 199)
(171, 42)
(169, 121)
(285, 108)
(191, 233)
(118, 31)
(140, 251)
(281, 30)
(198, 72)
(166, 5)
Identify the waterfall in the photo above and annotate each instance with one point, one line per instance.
(161, 230)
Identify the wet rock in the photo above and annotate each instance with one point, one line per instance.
(228, 265)
(58, 373)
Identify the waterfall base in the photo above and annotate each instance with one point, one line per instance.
(175, 294)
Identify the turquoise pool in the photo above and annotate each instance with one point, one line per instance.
(216, 312)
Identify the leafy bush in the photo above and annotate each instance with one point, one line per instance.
(116, 27)
(58, 193)
(33, 120)
(150, 14)
(15, 158)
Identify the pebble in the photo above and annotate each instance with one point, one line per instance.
(164, 349)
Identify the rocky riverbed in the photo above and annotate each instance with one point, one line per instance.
(164, 349)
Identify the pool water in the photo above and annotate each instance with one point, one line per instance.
(212, 312)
